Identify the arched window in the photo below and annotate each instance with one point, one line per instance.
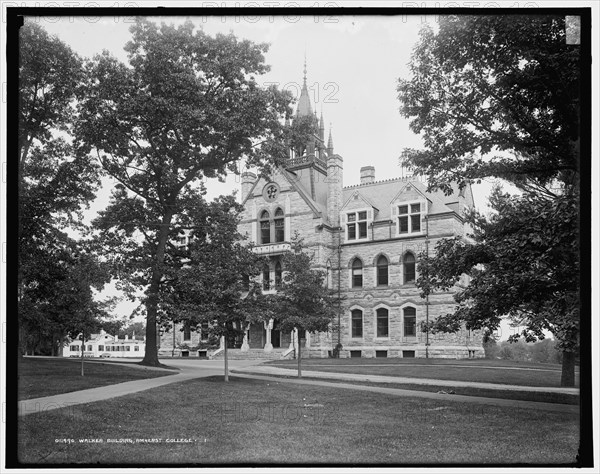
(329, 276)
(357, 323)
(409, 268)
(265, 228)
(278, 274)
(187, 331)
(382, 271)
(382, 323)
(357, 273)
(266, 275)
(279, 226)
(410, 322)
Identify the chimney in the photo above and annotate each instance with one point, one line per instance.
(248, 179)
(367, 174)
(126, 337)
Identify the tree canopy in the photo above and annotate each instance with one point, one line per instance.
(187, 107)
(499, 97)
(54, 184)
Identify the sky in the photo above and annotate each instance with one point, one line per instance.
(353, 66)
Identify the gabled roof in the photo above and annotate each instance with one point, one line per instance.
(382, 193)
(361, 196)
(297, 186)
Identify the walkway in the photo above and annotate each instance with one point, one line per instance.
(269, 370)
(192, 369)
(189, 369)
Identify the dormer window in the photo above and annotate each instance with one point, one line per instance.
(410, 217)
(357, 225)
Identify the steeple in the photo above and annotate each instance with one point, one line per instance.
(322, 127)
(304, 107)
(330, 143)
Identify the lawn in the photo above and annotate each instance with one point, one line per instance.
(545, 397)
(44, 377)
(470, 370)
(208, 421)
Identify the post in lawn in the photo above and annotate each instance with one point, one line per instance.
(82, 349)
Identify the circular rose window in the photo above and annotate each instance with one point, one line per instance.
(271, 192)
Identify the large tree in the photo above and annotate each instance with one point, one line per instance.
(499, 97)
(187, 107)
(53, 183)
(303, 300)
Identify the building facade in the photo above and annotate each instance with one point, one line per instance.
(366, 238)
(106, 345)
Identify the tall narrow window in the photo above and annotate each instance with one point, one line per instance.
(279, 226)
(278, 274)
(382, 323)
(382, 271)
(357, 323)
(409, 268)
(187, 332)
(204, 330)
(265, 228)
(352, 226)
(266, 276)
(410, 322)
(357, 273)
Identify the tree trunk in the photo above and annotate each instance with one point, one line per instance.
(567, 378)
(151, 352)
(299, 357)
(226, 361)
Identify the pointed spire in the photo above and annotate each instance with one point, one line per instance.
(330, 142)
(304, 107)
(304, 68)
(322, 127)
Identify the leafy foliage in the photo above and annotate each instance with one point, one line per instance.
(494, 96)
(498, 97)
(54, 183)
(303, 300)
(187, 107)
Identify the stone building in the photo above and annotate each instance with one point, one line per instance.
(366, 238)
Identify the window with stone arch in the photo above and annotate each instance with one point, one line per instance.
(279, 225)
(278, 274)
(409, 315)
(409, 267)
(382, 271)
(383, 323)
(265, 227)
(356, 316)
(329, 276)
(357, 273)
(266, 277)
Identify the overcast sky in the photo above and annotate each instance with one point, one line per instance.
(353, 65)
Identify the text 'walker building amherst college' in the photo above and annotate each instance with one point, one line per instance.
(366, 238)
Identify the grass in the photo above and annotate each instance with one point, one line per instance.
(258, 422)
(44, 377)
(546, 397)
(478, 370)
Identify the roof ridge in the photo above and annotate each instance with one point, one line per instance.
(405, 179)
